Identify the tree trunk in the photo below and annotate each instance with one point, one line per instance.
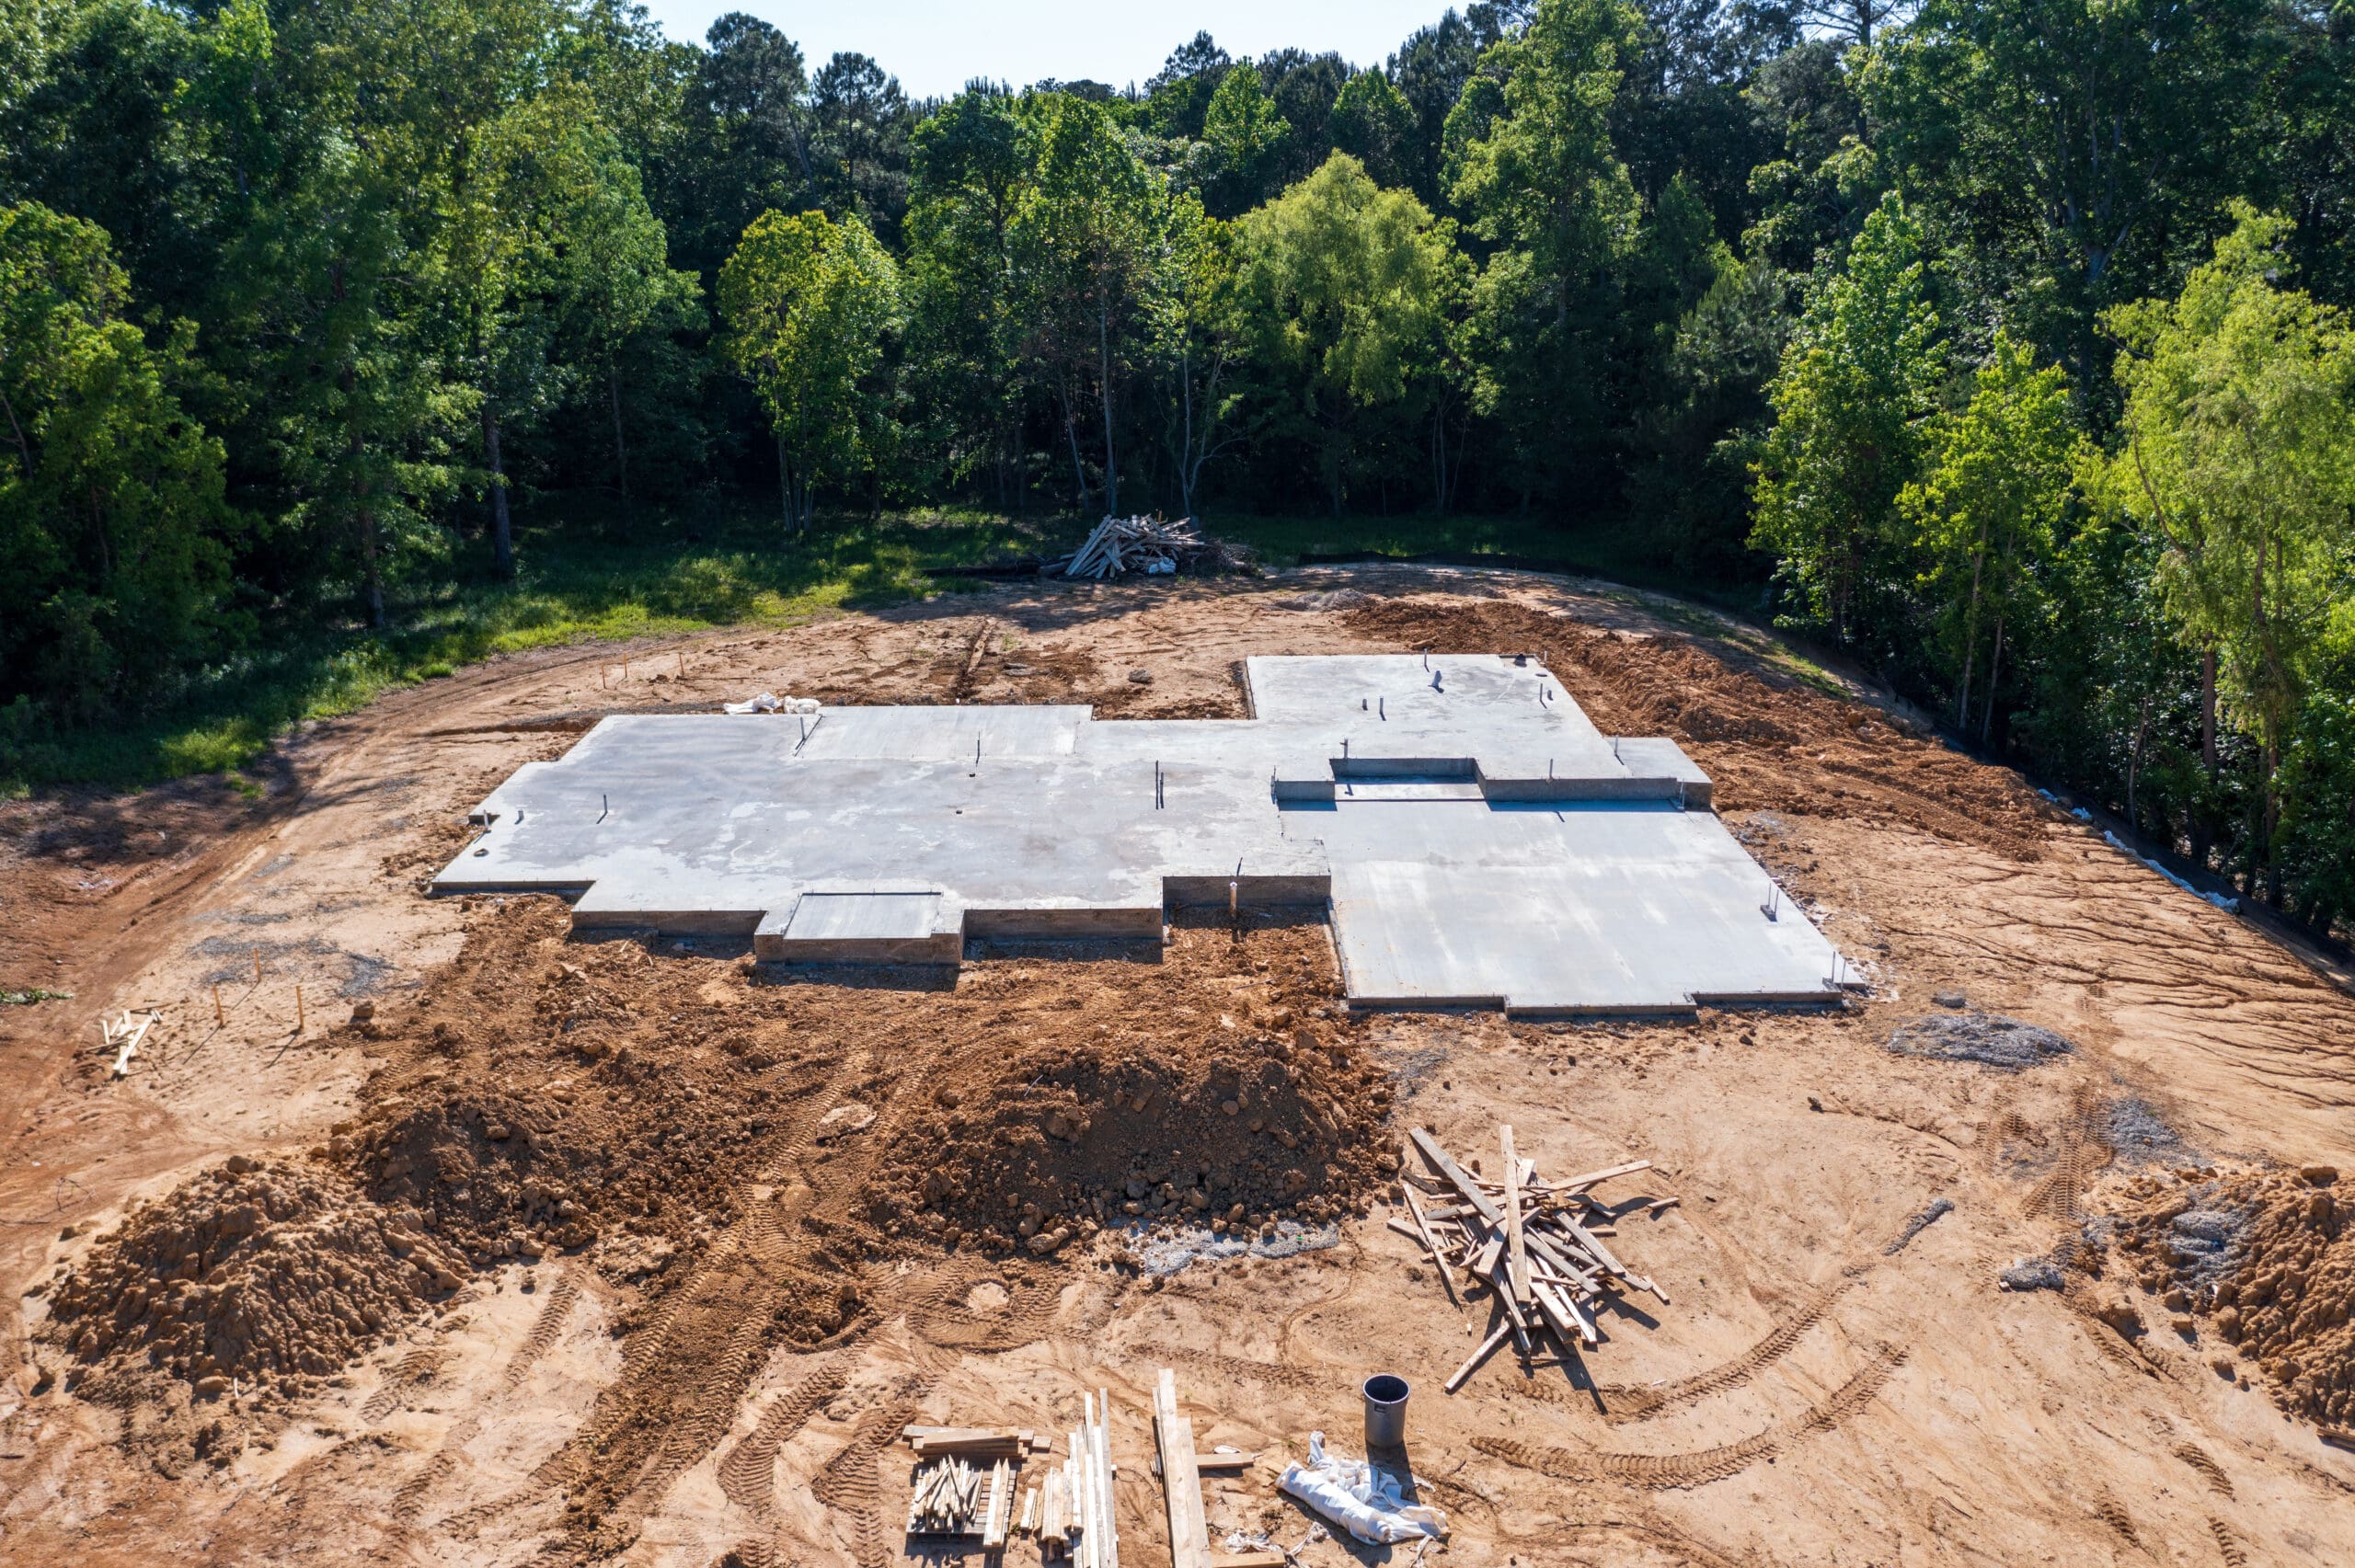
(2201, 840)
(621, 447)
(1071, 434)
(1994, 667)
(368, 558)
(1971, 631)
(1104, 374)
(785, 489)
(502, 539)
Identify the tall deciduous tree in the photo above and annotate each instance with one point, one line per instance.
(1343, 286)
(1084, 247)
(810, 304)
(1542, 185)
(1986, 514)
(1858, 379)
(112, 521)
(1375, 125)
(2237, 453)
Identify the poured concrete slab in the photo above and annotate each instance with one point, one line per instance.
(1584, 907)
(1474, 837)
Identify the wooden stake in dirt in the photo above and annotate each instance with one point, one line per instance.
(219, 1017)
(256, 965)
(298, 1010)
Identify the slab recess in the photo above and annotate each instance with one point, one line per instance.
(1475, 838)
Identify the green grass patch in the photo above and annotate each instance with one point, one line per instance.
(586, 571)
(27, 997)
(590, 569)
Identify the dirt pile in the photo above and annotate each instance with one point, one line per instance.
(1769, 741)
(1233, 1123)
(2266, 1257)
(257, 1278)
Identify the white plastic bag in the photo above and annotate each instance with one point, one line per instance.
(1350, 1493)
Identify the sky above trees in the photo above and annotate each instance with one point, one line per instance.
(935, 47)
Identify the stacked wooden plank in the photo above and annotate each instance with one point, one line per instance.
(1147, 544)
(965, 1481)
(956, 1497)
(1537, 1245)
(1076, 1520)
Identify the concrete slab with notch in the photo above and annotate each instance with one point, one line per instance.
(1476, 841)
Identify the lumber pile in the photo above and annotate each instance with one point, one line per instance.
(956, 1497)
(965, 1482)
(1537, 1245)
(1076, 1514)
(1148, 544)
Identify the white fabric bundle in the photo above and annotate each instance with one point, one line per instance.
(1349, 1493)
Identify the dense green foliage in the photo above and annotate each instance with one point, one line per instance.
(2001, 345)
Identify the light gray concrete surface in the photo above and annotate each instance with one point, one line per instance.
(1477, 842)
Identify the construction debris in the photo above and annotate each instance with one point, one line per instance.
(955, 1495)
(1370, 1504)
(1150, 546)
(1181, 1479)
(123, 1035)
(770, 702)
(1537, 1245)
(1075, 1514)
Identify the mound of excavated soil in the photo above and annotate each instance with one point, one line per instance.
(2267, 1258)
(263, 1278)
(1230, 1121)
(1768, 741)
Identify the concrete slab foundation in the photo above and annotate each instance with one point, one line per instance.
(1476, 841)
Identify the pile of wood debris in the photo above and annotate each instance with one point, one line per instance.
(1148, 544)
(965, 1476)
(1537, 1245)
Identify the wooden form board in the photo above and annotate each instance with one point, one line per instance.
(1181, 1481)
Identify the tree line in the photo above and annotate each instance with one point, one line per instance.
(2002, 345)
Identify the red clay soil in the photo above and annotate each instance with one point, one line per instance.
(1767, 740)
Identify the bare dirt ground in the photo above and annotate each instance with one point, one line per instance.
(627, 1251)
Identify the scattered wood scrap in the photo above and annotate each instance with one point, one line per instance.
(1148, 544)
(123, 1035)
(1536, 1245)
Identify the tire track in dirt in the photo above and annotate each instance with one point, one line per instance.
(1028, 1317)
(709, 1340)
(408, 1502)
(847, 1482)
(2083, 1153)
(2111, 1512)
(545, 1328)
(417, 1367)
(1640, 1402)
(1266, 1372)
(2202, 1460)
(2228, 1545)
(748, 1475)
(1662, 1472)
